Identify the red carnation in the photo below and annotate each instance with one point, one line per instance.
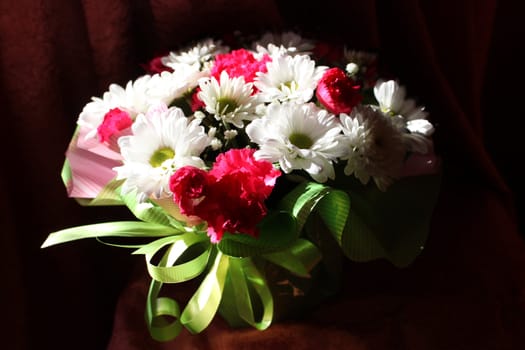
(196, 102)
(189, 186)
(337, 92)
(230, 198)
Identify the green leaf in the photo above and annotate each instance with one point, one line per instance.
(277, 231)
(393, 224)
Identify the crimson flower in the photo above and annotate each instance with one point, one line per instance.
(196, 102)
(338, 92)
(189, 185)
(230, 198)
(114, 121)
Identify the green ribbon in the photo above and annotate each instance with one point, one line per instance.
(332, 205)
(244, 283)
(244, 273)
(300, 258)
(108, 195)
(203, 305)
(158, 312)
(109, 229)
(169, 272)
(278, 230)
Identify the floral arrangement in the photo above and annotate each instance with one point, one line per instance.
(257, 155)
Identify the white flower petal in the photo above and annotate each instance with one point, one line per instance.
(160, 129)
(298, 137)
(289, 79)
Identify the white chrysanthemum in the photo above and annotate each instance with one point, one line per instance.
(289, 79)
(298, 137)
(163, 140)
(374, 146)
(229, 99)
(392, 101)
(286, 43)
(197, 55)
(168, 86)
(133, 99)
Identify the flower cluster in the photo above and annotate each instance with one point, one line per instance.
(212, 128)
(239, 159)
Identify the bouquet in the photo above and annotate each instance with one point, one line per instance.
(239, 159)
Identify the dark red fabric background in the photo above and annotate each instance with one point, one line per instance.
(464, 59)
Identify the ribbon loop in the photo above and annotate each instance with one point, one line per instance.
(158, 310)
(168, 271)
(203, 305)
(332, 205)
(243, 273)
(299, 259)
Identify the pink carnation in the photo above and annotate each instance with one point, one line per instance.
(114, 122)
(337, 92)
(239, 63)
(261, 175)
(230, 198)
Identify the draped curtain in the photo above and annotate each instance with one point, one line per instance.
(462, 59)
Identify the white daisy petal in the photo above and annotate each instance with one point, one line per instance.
(298, 137)
(289, 79)
(168, 86)
(197, 55)
(230, 99)
(132, 98)
(163, 140)
(420, 126)
(405, 114)
(375, 147)
(289, 43)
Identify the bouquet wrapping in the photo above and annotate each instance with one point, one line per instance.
(253, 167)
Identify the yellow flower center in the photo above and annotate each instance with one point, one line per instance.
(291, 85)
(160, 156)
(301, 140)
(226, 105)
